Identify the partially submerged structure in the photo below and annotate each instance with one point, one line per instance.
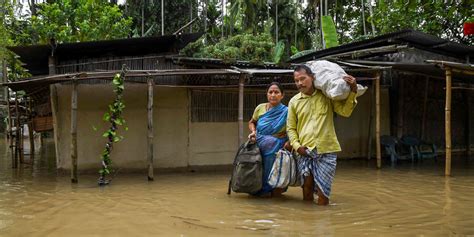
(187, 113)
(424, 70)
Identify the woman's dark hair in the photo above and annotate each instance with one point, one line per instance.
(276, 84)
(304, 67)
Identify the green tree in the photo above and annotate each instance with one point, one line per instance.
(432, 17)
(79, 20)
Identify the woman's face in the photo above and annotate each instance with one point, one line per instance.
(274, 95)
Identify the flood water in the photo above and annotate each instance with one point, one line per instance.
(408, 200)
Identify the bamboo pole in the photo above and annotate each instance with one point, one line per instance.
(9, 114)
(377, 120)
(17, 135)
(150, 129)
(54, 110)
(241, 109)
(448, 122)
(21, 144)
(371, 118)
(162, 17)
(30, 131)
(74, 133)
(468, 121)
(425, 100)
(10, 126)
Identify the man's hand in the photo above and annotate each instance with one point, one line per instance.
(288, 146)
(351, 81)
(302, 151)
(252, 136)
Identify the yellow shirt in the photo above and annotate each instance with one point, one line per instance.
(311, 121)
(262, 109)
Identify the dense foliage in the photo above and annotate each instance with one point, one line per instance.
(249, 47)
(79, 20)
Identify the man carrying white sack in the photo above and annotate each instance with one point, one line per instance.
(310, 128)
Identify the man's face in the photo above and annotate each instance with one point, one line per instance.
(304, 82)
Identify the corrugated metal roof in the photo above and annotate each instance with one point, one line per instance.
(412, 38)
(36, 56)
(219, 63)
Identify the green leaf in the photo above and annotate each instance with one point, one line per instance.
(278, 51)
(329, 32)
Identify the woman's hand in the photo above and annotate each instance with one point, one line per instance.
(253, 136)
(288, 146)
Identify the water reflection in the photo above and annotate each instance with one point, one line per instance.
(405, 200)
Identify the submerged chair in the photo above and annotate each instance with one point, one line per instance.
(419, 148)
(397, 149)
(412, 143)
(390, 143)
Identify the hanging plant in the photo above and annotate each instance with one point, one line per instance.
(114, 117)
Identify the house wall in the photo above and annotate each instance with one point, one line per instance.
(170, 126)
(178, 142)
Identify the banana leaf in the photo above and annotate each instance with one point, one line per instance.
(329, 32)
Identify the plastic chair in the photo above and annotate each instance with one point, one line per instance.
(421, 148)
(389, 143)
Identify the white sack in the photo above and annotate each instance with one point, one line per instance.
(328, 78)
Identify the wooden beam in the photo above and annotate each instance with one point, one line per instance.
(448, 122)
(241, 109)
(74, 133)
(150, 129)
(377, 121)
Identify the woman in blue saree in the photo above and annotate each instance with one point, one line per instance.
(268, 129)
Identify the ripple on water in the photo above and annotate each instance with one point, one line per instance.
(407, 200)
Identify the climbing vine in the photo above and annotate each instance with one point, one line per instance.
(114, 117)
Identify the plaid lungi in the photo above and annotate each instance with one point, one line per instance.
(322, 167)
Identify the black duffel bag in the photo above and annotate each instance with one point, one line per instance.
(247, 174)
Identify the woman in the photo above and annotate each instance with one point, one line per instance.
(268, 129)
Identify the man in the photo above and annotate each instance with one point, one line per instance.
(310, 128)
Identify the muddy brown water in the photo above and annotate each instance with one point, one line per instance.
(406, 200)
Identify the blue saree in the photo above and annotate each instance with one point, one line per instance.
(269, 124)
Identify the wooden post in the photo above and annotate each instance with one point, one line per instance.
(17, 135)
(30, 132)
(241, 109)
(54, 110)
(377, 120)
(425, 100)
(400, 107)
(150, 129)
(21, 143)
(448, 122)
(371, 118)
(10, 126)
(74, 132)
(468, 121)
